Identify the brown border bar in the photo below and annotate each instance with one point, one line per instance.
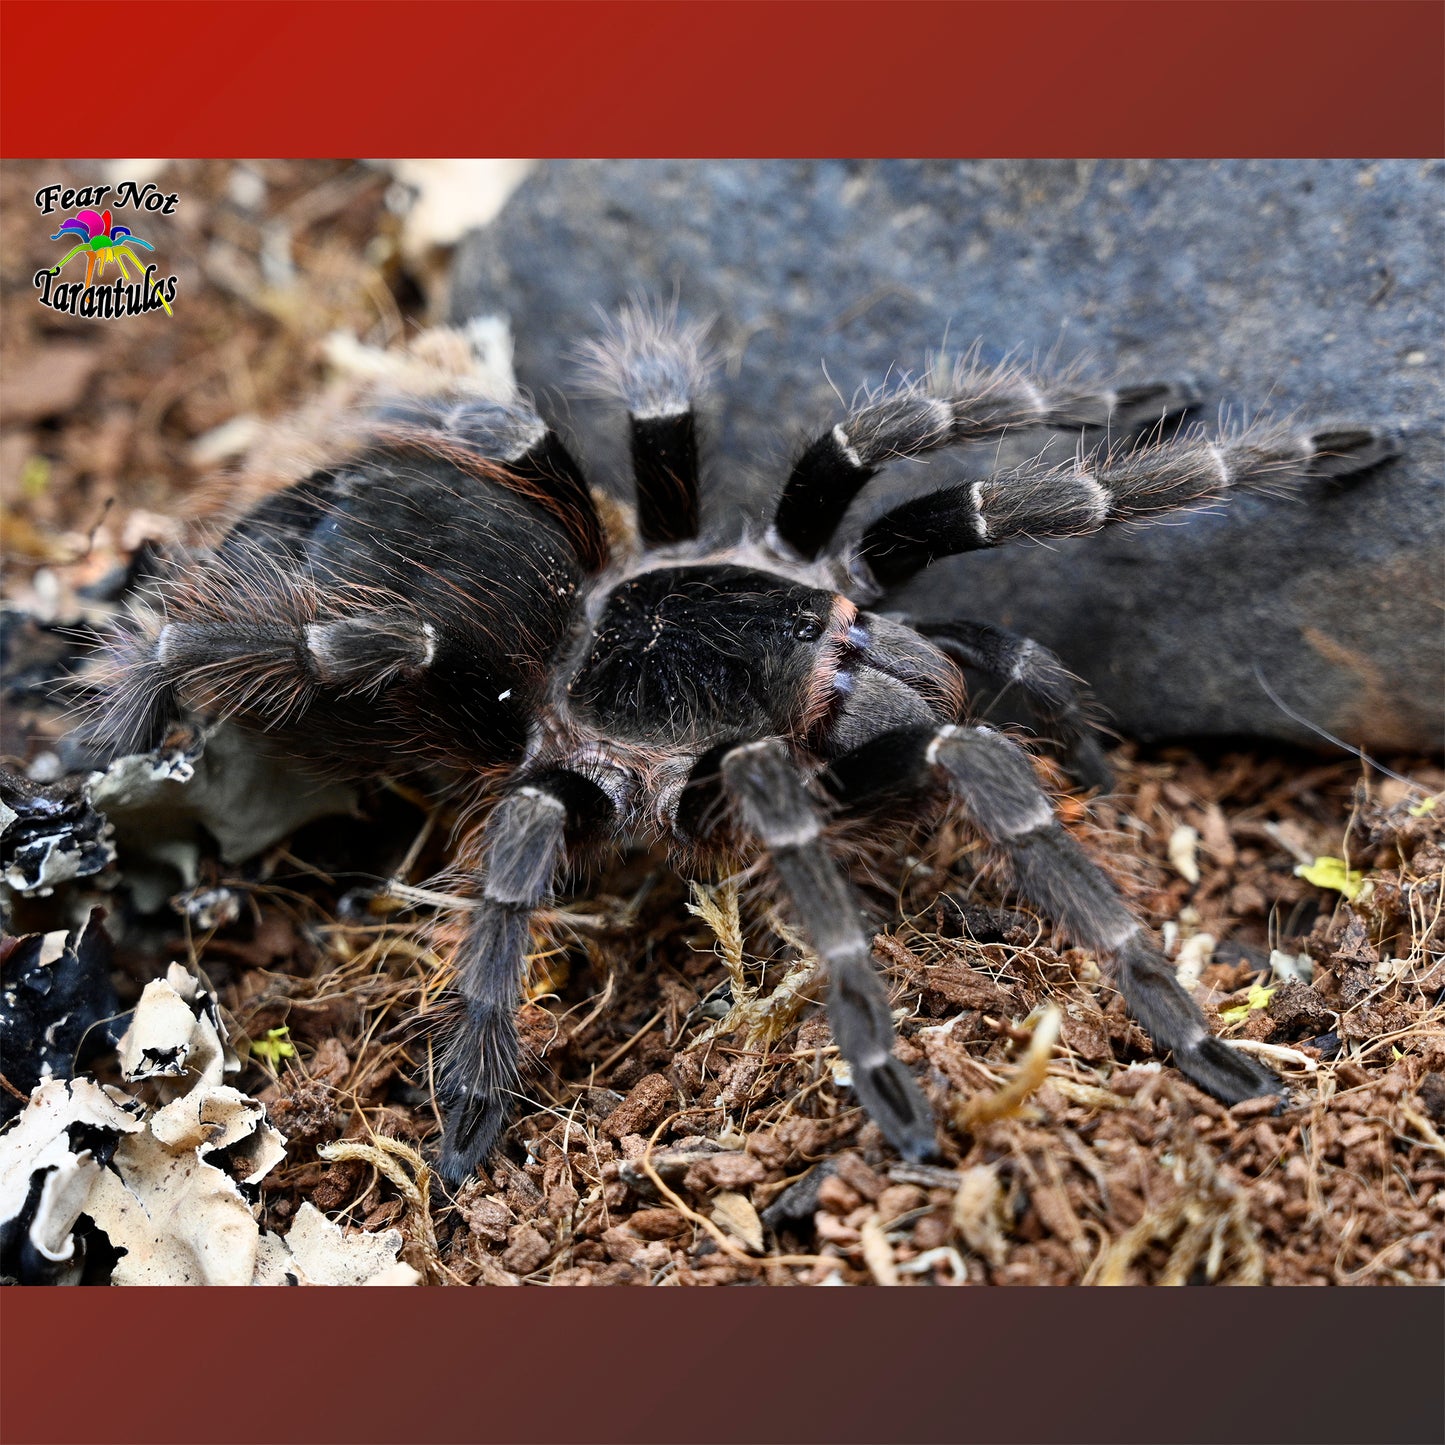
(738, 1365)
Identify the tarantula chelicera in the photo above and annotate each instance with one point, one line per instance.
(450, 597)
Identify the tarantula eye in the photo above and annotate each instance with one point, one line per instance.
(808, 628)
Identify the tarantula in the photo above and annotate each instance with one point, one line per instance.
(449, 597)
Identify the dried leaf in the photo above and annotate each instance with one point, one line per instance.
(176, 1217)
(179, 1219)
(39, 1144)
(736, 1215)
(322, 1254)
(176, 1031)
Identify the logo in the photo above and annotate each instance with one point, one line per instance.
(103, 240)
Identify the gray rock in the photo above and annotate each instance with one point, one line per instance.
(1314, 287)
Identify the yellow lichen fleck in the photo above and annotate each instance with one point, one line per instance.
(1332, 873)
(273, 1047)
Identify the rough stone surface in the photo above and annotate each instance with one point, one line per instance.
(1315, 287)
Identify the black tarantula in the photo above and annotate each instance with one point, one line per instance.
(450, 597)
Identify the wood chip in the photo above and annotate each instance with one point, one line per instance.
(877, 1252)
(978, 1213)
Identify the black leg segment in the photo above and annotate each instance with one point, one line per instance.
(1045, 683)
(834, 468)
(1103, 487)
(665, 469)
(657, 366)
(995, 785)
(524, 850)
(774, 807)
(971, 403)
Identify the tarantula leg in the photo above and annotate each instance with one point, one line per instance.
(995, 784)
(368, 652)
(363, 652)
(775, 808)
(254, 670)
(656, 366)
(975, 402)
(267, 672)
(525, 848)
(1103, 487)
(1058, 698)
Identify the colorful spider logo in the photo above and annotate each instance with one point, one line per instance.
(102, 241)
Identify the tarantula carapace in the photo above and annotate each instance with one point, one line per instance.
(448, 597)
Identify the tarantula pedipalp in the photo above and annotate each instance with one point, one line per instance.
(448, 597)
